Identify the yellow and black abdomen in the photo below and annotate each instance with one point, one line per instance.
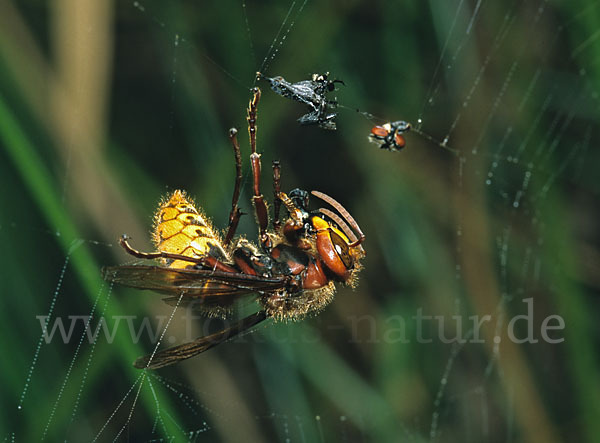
(179, 228)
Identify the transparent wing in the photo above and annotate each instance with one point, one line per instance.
(187, 350)
(207, 290)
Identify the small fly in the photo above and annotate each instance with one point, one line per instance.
(389, 136)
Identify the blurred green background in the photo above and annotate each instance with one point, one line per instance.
(107, 106)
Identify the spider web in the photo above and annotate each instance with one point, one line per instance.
(488, 214)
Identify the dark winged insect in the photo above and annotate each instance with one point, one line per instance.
(312, 93)
(389, 136)
(291, 272)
